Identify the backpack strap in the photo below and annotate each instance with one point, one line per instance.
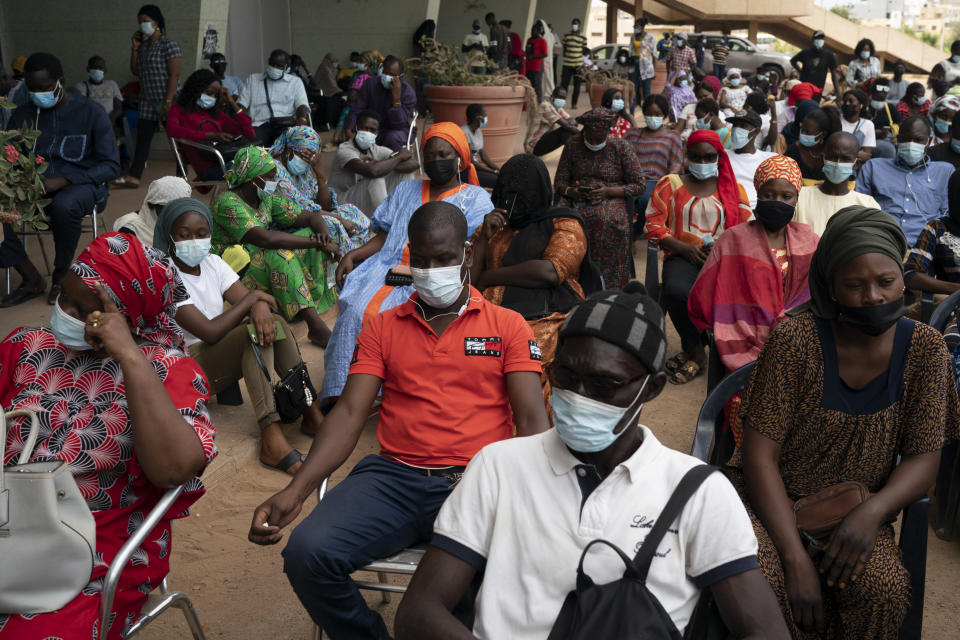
(690, 482)
(266, 92)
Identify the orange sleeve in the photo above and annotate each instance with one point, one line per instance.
(367, 352)
(659, 213)
(520, 349)
(567, 247)
(744, 209)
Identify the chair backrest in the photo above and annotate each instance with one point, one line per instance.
(708, 445)
(651, 278)
(939, 319)
(181, 166)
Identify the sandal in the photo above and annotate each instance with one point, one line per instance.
(288, 461)
(124, 183)
(686, 373)
(673, 364)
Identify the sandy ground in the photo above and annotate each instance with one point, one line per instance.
(239, 589)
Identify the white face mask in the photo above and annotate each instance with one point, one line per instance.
(192, 252)
(68, 330)
(269, 186)
(364, 140)
(594, 147)
(585, 424)
(441, 286)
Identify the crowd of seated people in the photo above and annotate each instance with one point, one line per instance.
(490, 314)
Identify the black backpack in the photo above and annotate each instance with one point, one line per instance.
(625, 608)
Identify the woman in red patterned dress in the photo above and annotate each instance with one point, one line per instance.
(121, 404)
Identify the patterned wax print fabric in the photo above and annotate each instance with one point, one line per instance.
(295, 277)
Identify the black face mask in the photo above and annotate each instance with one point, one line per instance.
(219, 68)
(848, 110)
(441, 172)
(872, 320)
(773, 214)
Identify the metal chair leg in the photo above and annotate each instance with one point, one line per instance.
(317, 632)
(384, 595)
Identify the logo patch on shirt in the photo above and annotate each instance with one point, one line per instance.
(356, 353)
(535, 353)
(483, 346)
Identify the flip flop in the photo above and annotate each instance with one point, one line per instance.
(288, 461)
(686, 373)
(123, 184)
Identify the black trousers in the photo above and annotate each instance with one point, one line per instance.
(536, 79)
(678, 278)
(488, 179)
(571, 72)
(145, 131)
(552, 140)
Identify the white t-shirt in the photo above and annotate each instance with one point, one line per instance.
(474, 140)
(341, 178)
(103, 94)
(206, 290)
(863, 129)
(814, 207)
(745, 166)
(518, 510)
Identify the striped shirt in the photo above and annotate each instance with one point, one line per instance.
(720, 52)
(574, 45)
(658, 155)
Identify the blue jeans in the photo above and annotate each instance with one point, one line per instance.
(719, 70)
(381, 508)
(640, 208)
(642, 88)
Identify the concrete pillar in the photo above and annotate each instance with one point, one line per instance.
(638, 8)
(752, 31)
(611, 23)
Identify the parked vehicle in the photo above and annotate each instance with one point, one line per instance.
(606, 55)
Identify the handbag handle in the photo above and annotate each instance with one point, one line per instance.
(584, 581)
(266, 92)
(31, 437)
(259, 357)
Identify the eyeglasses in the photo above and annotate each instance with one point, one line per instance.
(602, 388)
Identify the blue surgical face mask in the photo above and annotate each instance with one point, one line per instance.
(594, 147)
(147, 28)
(364, 140)
(808, 140)
(269, 186)
(955, 145)
(703, 171)
(703, 123)
(297, 165)
(911, 152)
(922, 100)
(739, 137)
(68, 330)
(818, 43)
(942, 126)
(864, 55)
(206, 102)
(192, 252)
(483, 122)
(587, 425)
(45, 99)
(385, 80)
(878, 104)
(476, 29)
(654, 122)
(359, 65)
(684, 83)
(837, 172)
(559, 103)
(735, 82)
(273, 73)
(955, 59)
(96, 75)
(617, 105)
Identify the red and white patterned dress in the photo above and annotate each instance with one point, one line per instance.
(84, 421)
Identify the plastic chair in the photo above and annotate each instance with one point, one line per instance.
(214, 185)
(160, 599)
(712, 446)
(404, 563)
(948, 475)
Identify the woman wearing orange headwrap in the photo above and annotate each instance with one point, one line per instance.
(362, 272)
(686, 215)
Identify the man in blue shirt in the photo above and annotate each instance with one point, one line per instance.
(910, 187)
(78, 143)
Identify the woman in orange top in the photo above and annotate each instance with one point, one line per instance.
(362, 272)
(685, 215)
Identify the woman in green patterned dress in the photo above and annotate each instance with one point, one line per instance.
(285, 243)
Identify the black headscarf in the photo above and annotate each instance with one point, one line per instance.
(426, 28)
(523, 190)
(952, 220)
(851, 232)
(153, 12)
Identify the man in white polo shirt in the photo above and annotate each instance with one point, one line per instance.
(274, 99)
(526, 508)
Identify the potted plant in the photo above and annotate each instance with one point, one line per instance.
(450, 87)
(599, 81)
(21, 177)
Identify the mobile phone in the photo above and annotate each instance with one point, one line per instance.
(252, 332)
(507, 203)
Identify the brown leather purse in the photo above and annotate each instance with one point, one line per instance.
(818, 515)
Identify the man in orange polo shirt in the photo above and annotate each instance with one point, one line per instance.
(457, 373)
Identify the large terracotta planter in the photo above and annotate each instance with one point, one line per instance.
(597, 91)
(504, 107)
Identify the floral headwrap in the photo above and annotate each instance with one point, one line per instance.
(301, 139)
(249, 163)
(599, 119)
(780, 167)
(141, 281)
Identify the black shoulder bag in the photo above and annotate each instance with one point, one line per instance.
(625, 608)
(279, 123)
(294, 392)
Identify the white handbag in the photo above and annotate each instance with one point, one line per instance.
(47, 533)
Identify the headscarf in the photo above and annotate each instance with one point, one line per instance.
(527, 176)
(249, 163)
(804, 108)
(427, 28)
(714, 82)
(946, 102)
(803, 91)
(454, 135)
(141, 281)
(952, 219)
(599, 119)
(681, 96)
(300, 138)
(169, 215)
(325, 77)
(153, 12)
(159, 193)
(851, 232)
(726, 180)
(732, 71)
(780, 167)
(373, 58)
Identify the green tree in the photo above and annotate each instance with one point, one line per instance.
(844, 12)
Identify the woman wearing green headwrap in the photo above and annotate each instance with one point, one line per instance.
(218, 339)
(841, 389)
(285, 243)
